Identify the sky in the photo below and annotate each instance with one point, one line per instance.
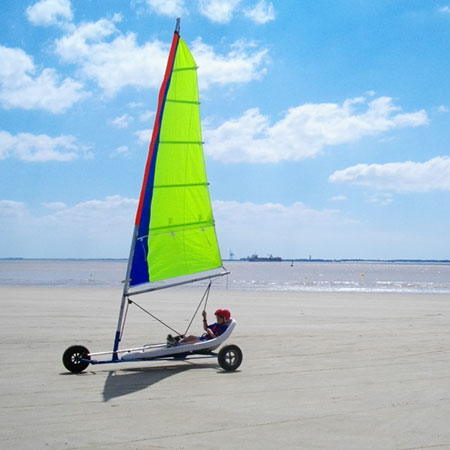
(326, 124)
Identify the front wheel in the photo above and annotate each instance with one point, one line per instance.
(74, 358)
(230, 357)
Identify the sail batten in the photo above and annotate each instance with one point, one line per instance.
(182, 142)
(185, 226)
(162, 186)
(180, 69)
(192, 102)
(175, 234)
(176, 228)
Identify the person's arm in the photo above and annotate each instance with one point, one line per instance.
(211, 333)
(205, 326)
(205, 323)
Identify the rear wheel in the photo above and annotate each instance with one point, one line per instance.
(230, 357)
(74, 358)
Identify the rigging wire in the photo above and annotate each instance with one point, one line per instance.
(154, 317)
(131, 302)
(204, 298)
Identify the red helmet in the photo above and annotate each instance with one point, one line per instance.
(223, 313)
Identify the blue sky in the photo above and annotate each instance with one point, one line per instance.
(326, 124)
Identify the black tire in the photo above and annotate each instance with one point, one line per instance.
(73, 356)
(230, 357)
(180, 355)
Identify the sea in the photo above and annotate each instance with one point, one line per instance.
(305, 276)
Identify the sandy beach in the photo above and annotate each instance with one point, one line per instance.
(320, 371)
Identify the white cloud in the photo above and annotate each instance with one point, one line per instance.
(443, 109)
(171, 8)
(134, 105)
(144, 136)
(272, 212)
(50, 12)
(123, 150)
(262, 12)
(54, 205)
(381, 198)
(305, 130)
(96, 209)
(249, 226)
(445, 10)
(114, 63)
(338, 198)
(80, 40)
(220, 11)
(22, 87)
(39, 148)
(122, 121)
(147, 115)
(9, 208)
(241, 65)
(77, 231)
(399, 177)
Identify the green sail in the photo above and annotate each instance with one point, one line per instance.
(182, 238)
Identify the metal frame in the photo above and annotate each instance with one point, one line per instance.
(178, 353)
(191, 355)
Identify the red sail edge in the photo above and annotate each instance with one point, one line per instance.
(157, 124)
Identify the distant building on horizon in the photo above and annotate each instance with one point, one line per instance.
(255, 258)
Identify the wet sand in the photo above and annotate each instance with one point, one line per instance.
(320, 371)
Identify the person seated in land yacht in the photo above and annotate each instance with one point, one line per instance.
(212, 331)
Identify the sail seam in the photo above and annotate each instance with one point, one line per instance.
(191, 102)
(180, 185)
(180, 69)
(203, 224)
(181, 142)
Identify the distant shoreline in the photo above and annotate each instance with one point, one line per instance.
(63, 259)
(289, 260)
(345, 260)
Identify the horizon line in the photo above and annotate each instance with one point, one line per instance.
(245, 259)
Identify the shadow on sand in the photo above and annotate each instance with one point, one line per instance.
(126, 381)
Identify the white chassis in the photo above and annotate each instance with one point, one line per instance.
(159, 351)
